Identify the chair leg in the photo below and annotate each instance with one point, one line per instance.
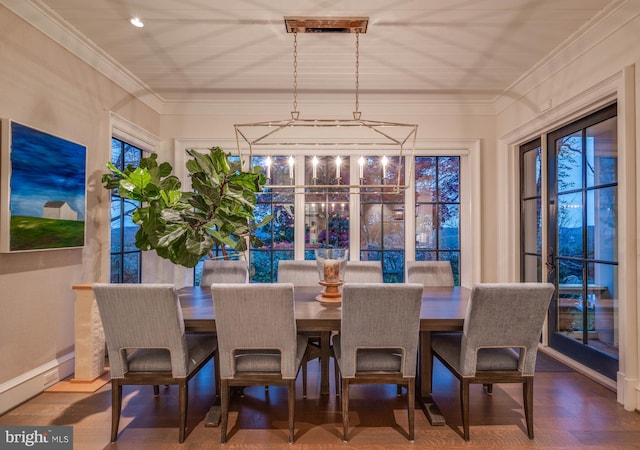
(156, 390)
(336, 376)
(224, 410)
(216, 371)
(116, 404)
(411, 406)
(527, 395)
(489, 388)
(304, 377)
(345, 409)
(398, 390)
(292, 403)
(464, 401)
(183, 402)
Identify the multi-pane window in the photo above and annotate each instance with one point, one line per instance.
(530, 212)
(437, 189)
(277, 235)
(326, 210)
(125, 256)
(382, 217)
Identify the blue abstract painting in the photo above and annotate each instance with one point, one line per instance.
(46, 183)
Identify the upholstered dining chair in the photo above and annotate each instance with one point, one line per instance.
(499, 341)
(147, 344)
(221, 271)
(378, 340)
(363, 272)
(302, 274)
(258, 342)
(430, 273)
(298, 273)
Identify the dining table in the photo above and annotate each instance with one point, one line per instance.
(443, 310)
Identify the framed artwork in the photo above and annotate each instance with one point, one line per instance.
(42, 190)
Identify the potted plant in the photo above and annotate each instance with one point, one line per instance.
(184, 226)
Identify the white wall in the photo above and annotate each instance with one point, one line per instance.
(44, 86)
(595, 69)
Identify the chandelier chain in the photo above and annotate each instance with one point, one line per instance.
(357, 72)
(295, 72)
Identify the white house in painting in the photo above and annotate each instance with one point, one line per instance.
(58, 210)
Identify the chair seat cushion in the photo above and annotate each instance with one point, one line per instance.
(199, 347)
(265, 360)
(372, 360)
(448, 346)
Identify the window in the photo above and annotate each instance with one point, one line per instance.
(437, 189)
(382, 218)
(125, 256)
(530, 212)
(277, 235)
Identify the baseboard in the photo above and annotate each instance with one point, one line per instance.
(20, 389)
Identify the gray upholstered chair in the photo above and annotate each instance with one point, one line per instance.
(147, 344)
(298, 273)
(430, 273)
(499, 342)
(378, 340)
(222, 271)
(257, 339)
(363, 272)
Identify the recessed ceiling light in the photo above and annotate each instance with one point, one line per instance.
(136, 22)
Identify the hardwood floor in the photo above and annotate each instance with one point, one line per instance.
(570, 411)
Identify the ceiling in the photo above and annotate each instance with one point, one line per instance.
(204, 50)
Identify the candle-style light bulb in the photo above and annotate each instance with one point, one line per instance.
(291, 161)
(384, 167)
(267, 163)
(314, 163)
(361, 162)
(338, 162)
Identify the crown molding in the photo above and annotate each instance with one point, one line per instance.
(609, 21)
(55, 27)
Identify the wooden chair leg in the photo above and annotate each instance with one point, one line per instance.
(411, 406)
(345, 409)
(489, 388)
(398, 390)
(336, 376)
(527, 395)
(224, 410)
(304, 378)
(116, 404)
(156, 390)
(183, 401)
(292, 403)
(464, 401)
(216, 371)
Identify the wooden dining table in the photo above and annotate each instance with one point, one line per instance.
(443, 310)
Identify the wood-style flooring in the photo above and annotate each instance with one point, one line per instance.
(570, 412)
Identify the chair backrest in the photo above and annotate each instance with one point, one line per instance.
(255, 317)
(505, 315)
(221, 271)
(299, 273)
(138, 316)
(380, 316)
(363, 272)
(430, 273)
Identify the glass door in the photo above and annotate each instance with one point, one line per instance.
(582, 236)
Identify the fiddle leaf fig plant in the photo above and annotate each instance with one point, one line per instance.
(184, 226)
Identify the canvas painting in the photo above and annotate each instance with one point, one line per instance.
(43, 190)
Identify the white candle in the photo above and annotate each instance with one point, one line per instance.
(267, 163)
(361, 161)
(291, 160)
(314, 163)
(338, 162)
(384, 167)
